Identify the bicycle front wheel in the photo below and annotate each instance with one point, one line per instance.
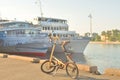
(47, 66)
(72, 70)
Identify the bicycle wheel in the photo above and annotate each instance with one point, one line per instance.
(72, 70)
(48, 67)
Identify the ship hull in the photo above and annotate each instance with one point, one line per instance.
(42, 48)
(29, 49)
(76, 45)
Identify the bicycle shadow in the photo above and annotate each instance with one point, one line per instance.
(88, 78)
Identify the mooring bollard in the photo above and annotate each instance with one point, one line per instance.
(36, 60)
(5, 56)
(93, 69)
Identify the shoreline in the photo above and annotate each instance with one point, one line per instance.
(107, 42)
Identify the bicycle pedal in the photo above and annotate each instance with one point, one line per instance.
(61, 66)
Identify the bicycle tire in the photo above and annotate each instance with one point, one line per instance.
(46, 69)
(72, 70)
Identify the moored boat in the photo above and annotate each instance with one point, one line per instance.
(61, 28)
(18, 37)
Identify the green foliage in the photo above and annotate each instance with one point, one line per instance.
(115, 36)
(111, 35)
(103, 33)
(96, 37)
(87, 34)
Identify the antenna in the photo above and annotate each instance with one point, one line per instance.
(40, 8)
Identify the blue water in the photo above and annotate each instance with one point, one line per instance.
(103, 56)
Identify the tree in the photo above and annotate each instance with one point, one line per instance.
(87, 34)
(103, 33)
(108, 34)
(95, 37)
(112, 35)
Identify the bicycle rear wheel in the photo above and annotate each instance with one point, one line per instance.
(47, 66)
(72, 70)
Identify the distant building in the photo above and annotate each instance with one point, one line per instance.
(104, 38)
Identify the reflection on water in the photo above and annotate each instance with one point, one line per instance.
(79, 58)
(103, 55)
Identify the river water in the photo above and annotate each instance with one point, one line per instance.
(103, 55)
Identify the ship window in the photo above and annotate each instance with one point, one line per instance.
(51, 28)
(57, 35)
(62, 28)
(71, 35)
(23, 31)
(60, 35)
(63, 35)
(39, 19)
(48, 28)
(65, 28)
(57, 28)
(54, 28)
(45, 28)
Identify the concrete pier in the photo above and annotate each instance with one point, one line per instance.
(22, 68)
(112, 72)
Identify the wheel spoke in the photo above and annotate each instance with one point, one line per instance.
(48, 67)
(72, 70)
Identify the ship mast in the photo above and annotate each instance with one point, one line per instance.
(40, 6)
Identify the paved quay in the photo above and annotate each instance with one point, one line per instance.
(23, 69)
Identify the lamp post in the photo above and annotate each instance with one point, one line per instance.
(90, 16)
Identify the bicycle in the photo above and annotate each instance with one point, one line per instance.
(53, 64)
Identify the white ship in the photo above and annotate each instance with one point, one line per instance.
(18, 37)
(61, 28)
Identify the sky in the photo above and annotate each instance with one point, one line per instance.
(105, 13)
